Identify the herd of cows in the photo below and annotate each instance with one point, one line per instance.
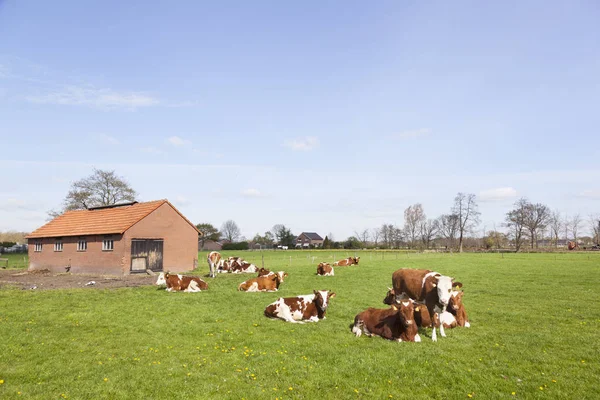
(418, 298)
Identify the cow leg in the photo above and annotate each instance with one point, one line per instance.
(442, 332)
(357, 329)
(430, 308)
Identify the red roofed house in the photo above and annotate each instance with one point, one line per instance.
(116, 240)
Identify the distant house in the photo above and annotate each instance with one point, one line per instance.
(120, 239)
(309, 239)
(210, 245)
(552, 243)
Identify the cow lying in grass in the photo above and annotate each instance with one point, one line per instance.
(395, 323)
(347, 261)
(177, 282)
(324, 269)
(424, 286)
(311, 307)
(265, 283)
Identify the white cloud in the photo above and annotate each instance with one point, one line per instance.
(109, 139)
(497, 194)
(181, 201)
(97, 98)
(303, 144)
(412, 134)
(151, 150)
(177, 141)
(251, 193)
(591, 194)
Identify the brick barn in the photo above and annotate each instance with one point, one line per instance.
(116, 240)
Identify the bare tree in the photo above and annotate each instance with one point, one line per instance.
(448, 227)
(575, 224)
(465, 208)
(536, 218)
(413, 218)
(387, 234)
(102, 188)
(230, 230)
(555, 226)
(428, 229)
(363, 237)
(397, 236)
(515, 221)
(375, 234)
(595, 225)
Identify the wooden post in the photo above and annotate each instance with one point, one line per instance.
(263, 259)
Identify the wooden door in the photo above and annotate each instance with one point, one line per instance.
(146, 254)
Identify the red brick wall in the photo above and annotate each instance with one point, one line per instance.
(93, 260)
(180, 247)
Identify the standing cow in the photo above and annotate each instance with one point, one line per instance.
(214, 260)
(424, 286)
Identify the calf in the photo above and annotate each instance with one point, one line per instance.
(422, 316)
(424, 286)
(324, 269)
(265, 283)
(311, 307)
(457, 309)
(213, 259)
(179, 282)
(395, 323)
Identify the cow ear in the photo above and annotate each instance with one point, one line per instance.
(417, 309)
(390, 289)
(394, 308)
(332, 294)
(457, 284)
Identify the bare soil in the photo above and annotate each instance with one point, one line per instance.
(46, 280)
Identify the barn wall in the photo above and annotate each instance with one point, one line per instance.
(93, 260)
(180, 248)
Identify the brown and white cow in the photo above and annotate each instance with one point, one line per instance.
(213, 259)
(394, 323)
(346, 262)
(243, 267)
(310, 307)
(424, 286)
(324, 269)
(265, 272)
(457, 309)
(265, 283)
(177, 282)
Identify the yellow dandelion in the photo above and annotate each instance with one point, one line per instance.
(356, 390)
(390, 396)
(19, 393)
(553, 380)
(290, 388)
(514, 393)
(105, 379)
(541, 388)
(469, 395)
(1, 381)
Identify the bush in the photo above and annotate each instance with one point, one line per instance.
(236, 246)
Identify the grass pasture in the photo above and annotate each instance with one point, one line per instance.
(15, 260)
(535, 322)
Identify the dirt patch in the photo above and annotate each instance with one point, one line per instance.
(46, 280)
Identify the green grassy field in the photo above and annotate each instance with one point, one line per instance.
(535, 322)
(15, 261)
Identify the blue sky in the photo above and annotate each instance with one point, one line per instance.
(324, 116)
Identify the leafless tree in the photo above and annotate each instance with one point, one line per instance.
(448, 227)
(555, 226)
(575, 224)
(397, 236)
(595, 225)
(465, 208)
(428, 230)
(363, 236)
(375, 235)
(230, 230)
(536, 218)
(413, 218)
(387, 235)
(515, 221)
(102, 188)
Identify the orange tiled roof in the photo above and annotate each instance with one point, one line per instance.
(102, 221)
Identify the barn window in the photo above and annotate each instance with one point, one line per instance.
(58, 244)
(82, 244)
(108, 244)
(38, 246)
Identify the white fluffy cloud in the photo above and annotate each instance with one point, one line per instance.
(498, 194)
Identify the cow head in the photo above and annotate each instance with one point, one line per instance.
(356, 260)
(162, 279)
(456, 300)
(406, 312)
(444, 288)
(282, 275)
(390, 297)
(322, 299)
(263, 271)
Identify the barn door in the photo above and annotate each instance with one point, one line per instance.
(146, 254)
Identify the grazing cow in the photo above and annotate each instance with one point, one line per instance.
(310, 307)
(243, 267)
(265, 283)
(177, 282)
(424, 286)
(324, 269)
(213, 259)
(395, 323)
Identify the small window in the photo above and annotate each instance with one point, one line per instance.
(108, 244)
(82, 244)
(38, 246)
(58, 245)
